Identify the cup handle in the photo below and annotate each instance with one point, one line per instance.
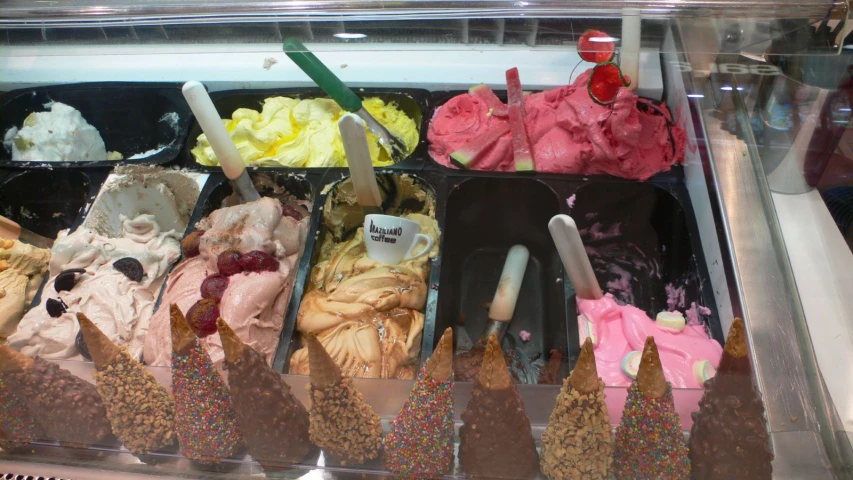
(423, 252)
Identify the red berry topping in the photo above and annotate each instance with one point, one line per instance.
(291, 211)
(214, 286)
(596, 46)
(228, 263)
(604, 83)
(189, 245)
(202, 317)
(258, 261)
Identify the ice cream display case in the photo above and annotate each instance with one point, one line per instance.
(493, 240)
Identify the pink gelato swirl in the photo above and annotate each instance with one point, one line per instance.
(617, 330)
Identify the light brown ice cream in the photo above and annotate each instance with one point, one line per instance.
(22, 269)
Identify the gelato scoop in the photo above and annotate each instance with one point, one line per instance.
(114, 281)
(239, 265)
(59, 135)
(568, 131)
(22, 269)
(618, 333)
(289, 132)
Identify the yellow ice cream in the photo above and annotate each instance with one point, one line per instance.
(22, 269)
(304, 133)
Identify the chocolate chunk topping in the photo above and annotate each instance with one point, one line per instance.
(130, 267)
(80, 343)
(66, 279)
(55, 307)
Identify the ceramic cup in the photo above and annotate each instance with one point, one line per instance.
(391, 239)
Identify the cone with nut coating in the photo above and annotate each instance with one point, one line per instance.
(273, 421)
(729, 438)
(577, 441)
(101, 349)
(342, 422)
(496, 441)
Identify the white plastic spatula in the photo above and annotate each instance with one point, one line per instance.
(506, 295)
(11, 230)
(564, 231)
(360, 163)
(211, 124)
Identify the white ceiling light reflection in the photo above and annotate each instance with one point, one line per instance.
(729, 89)
(696, 95)
(603, 39)
(349, 36)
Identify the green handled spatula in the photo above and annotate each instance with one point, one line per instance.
(343, 95)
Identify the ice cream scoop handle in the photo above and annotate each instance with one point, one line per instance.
(564, 231)
(359, 161)
(211, 124)
(9, 229)
(506, 295)
(322, 76)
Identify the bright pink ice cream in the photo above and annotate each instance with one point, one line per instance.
(570, 133)
(620, 329)
(254, 303)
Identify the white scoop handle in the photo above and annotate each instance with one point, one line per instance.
(211, 124)
(506, 295)
(564, 231)
(359, 161)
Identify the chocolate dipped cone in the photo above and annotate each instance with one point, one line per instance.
(18, 427)
(273, 422)
(576, 443)
(68, 408)
(495, 439)
(649, 413)
(729, 437)
(420, 442)
(140, 410)
(342, 422)
(204, 416)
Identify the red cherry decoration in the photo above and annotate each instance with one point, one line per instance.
(202, 317)
(228, 263)
(258, 261)
(604, 83)
(214, 286)
(596, 46)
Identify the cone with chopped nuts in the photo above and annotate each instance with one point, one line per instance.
(420, 442)
(342, 422)
(576, 443)
(649, 413)
(496, 440)
(273, 421)
(68, 408)
(729, 438)
(205, 421)
(140, 410)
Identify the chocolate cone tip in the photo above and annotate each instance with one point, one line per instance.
(231, 343)
(584, 377)
(736, 342)
(440, 364)
(650, 378)
(494, 374)
(324, 372)
(101, 349)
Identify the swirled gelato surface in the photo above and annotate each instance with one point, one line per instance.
(569, 133)
(22, 269)
(618, 330)
(254, 302)
(290, 132)
(119, 305)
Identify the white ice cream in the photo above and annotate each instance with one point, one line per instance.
(60, 135)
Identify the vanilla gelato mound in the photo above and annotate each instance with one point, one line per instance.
(59, 135)
(22, 269)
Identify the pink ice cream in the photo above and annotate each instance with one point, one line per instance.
(120, 306)
(569, 133)
(253, 303)
(617, 330)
